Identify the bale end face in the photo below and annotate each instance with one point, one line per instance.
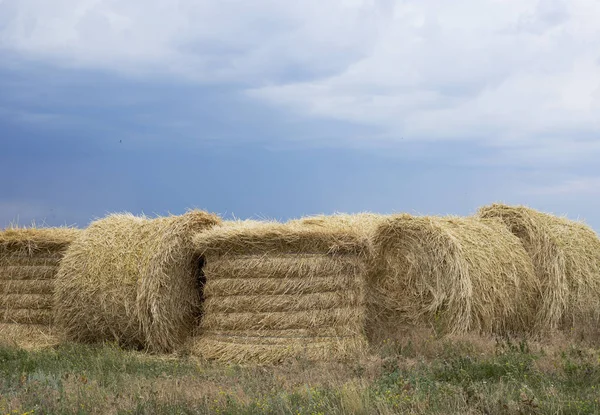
(566, 258)
(29, 259)
(277, 291)
(452, 274)
(132, 280)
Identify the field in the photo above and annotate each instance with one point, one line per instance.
(409, 316)
(458, 375)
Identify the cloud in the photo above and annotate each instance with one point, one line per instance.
(572, 187)
(199, 40)
(504, 73)
(521, 77)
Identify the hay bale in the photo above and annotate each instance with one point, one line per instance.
(566, 257)
(364, 223)
(451, 274)
(132, 280)
(276, 291)
(29, 259)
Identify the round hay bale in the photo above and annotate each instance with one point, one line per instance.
(29, 259)
(276, 291)
(451, 274)
(566, 258)
(132, 280)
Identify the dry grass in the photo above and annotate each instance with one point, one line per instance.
(27, 336)
(566, 257)
(455, 275)
(465, 374)
(275, 291)
(256, 349)
(29, 259)
(132, 280)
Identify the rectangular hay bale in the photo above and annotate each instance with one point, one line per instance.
(29, 260)
(277, 291)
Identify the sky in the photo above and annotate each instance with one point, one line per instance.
(271, 109)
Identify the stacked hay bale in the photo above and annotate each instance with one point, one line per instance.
(451, 274)
(132, 280)
(275, 291)
(29, 259)
(364, 223)
(566, 257)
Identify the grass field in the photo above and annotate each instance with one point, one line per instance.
(421, 375)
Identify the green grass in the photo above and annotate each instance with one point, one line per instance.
(462, 376)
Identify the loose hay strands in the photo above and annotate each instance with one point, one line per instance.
(27, 287)
(133, 280)
(278, 334)
(26, 316)
(27, 241)
(256, 238)
(282, 265)
(283, 320)
(259, 352)
(276, 291)
(364, 223)
(566, 257)
(271, 285)
(453, 274)
(23, 260)
(29, 301)
(28, 272)
(27, 336)
(272, 303)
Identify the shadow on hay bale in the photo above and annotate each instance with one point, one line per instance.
(454, 275)
(29, 259)
(132, 280)
(566, 257)
(275, 291)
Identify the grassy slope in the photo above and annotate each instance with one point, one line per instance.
(418, 376)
